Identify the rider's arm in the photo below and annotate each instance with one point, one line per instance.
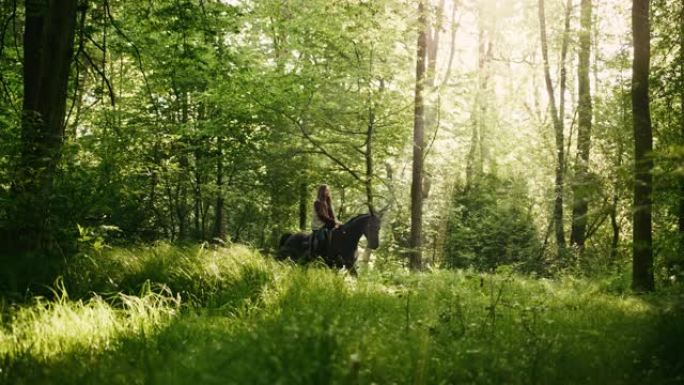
(324, 215)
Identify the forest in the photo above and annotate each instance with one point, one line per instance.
(341, 192)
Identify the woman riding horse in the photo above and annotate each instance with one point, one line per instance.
(323, 220)
(341, 240)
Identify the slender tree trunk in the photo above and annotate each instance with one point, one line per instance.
(219, 219)
(472, 157)
(620, 142)
(432, 94)
(197, 188)
(681, 129)
(418, 144)
(48, 49)
(170, 208)
(484, 56)
(341, 210)
(154, 182)
(197, 205)
(580, 195)
(182, 209)
(303, 204)
(476, 154)
(642, 264)
(615, 226)
(433, 46)
(563, 70)
(558, 130)
(452, 43)
(370, 131)
(369, 159)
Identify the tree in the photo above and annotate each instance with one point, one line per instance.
(48, 49)
(642, 259)
(580, 199)
(474, 163)
(557, 116)
(681, 128)
(418, 143)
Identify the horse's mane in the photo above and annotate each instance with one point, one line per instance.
(350, 221)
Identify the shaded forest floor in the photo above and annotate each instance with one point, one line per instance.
(167, 315)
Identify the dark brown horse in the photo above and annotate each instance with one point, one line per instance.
(345, 240)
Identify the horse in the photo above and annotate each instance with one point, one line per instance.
(343, 245)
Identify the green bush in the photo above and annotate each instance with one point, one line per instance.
(492, 226)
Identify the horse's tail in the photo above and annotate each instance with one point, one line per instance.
(283, 239)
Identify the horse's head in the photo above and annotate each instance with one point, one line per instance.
(372, 231)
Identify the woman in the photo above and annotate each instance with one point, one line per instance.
(323, 214)
(323, 217)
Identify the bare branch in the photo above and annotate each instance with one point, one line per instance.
(102, 75)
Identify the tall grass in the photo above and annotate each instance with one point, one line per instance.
(168, 315)
(49, 328)
(201, 276)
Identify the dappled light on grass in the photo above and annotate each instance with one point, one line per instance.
(231, 315)
(48, 329)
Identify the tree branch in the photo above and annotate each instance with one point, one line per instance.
(138, 56)
(102, 75)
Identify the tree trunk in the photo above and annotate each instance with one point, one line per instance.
(615, 225)
(48, 50)
(219, 219)
(342, 209)
(452, 43)
(182, 209)
(476, 154)
(580, 194)
(681, 131)
(472, 155)
(558, 131)
(369, 159)
(642, 263)
(197, 188)
(368, 153)
(432, 47)
(418, 143)
(303, 204)
(484, 57)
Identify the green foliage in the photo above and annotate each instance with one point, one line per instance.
(491, 225)
(667, 112)
(182, 112)
(273, 323)
(201, 276)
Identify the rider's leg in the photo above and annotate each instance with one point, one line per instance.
(328, 243)
(322, 243)
(312, 244)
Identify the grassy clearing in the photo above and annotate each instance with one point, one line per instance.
(167, 315)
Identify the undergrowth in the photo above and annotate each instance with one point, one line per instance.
(169, 315)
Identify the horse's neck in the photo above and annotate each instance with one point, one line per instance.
(355, 229)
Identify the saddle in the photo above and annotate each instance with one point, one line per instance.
(320, 242)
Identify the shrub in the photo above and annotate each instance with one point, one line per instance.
(492, 226)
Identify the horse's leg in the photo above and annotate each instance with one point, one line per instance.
(351, 268)
(348, 262)
(298, 250)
